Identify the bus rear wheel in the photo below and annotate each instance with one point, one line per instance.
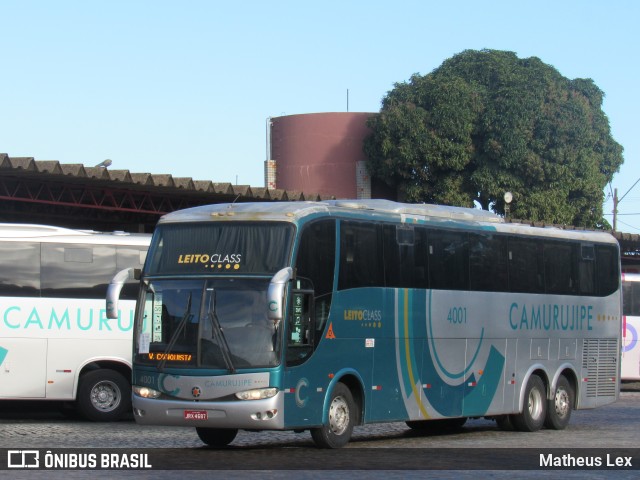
(217, 437)
(103, 395)
(534, 410)
(559, 407)
(341, 415)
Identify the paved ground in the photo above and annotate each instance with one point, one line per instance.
(603, 430)
(38, 425)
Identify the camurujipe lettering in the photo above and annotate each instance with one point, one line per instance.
(85, 319)
(550, 317)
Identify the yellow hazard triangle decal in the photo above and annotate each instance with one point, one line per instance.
(330, 333)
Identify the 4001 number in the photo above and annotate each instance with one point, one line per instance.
(457, 315)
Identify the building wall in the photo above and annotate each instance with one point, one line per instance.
(321, 153)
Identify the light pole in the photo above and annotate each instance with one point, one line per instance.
(508, 197)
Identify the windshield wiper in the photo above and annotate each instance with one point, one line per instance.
(218, 333)
(174, 338)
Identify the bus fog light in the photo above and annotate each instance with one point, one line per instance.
(257, 394)
(145, 392)
(268, 415)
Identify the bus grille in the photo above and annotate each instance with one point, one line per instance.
(600, 362)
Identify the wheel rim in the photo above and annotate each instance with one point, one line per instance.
(105, 396)
(535, 404)
(562, 402)
(338, 416)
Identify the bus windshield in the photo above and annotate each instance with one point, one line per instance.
(223, 248)
(216, 323)
(212, 312)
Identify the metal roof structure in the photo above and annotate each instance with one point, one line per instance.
(77, 196)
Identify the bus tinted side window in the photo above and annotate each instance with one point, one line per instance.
(20, 269)
(586, 270)
(560, 262)
(316, 255)
(448, 260)
(81, 271)
(526, 274)
(405, 256)
(607, 270)
(360, 255)
(488, 263)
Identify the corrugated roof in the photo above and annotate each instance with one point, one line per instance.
(151, 181)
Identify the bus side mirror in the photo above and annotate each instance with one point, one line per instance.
(115, 287)
(275, 293)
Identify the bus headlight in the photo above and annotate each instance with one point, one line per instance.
(257, 394)
(145, 392)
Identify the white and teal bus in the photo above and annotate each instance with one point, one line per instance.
(323, 316)
(56, 342)
(630, 369)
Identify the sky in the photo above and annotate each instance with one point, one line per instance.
(185, 87)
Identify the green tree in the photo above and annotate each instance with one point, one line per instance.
(486, 122)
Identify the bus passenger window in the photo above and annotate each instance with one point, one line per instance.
(20, 269)
(607, 273)
(488, 263)
(404, 257)
(560, 268)
(448, 260)
(82, 270)
(586, 270)
(360, 251)
(526, 274)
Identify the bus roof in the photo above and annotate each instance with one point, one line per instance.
(18, 232)
(292, 211)
(444, 216)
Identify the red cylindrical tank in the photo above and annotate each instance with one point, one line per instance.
(319, 152)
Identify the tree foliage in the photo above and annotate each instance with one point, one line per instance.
(487, 122)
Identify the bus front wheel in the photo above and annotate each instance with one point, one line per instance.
(103, 395)
(340, 420)
(217, 437)
(559, 407)
(534, 410)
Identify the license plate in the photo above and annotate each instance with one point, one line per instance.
(195, 415)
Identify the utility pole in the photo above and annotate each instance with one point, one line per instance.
(616, 202)
(615, 207)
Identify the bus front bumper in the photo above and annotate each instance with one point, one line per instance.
(266, 414)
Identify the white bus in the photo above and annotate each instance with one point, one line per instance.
(630, 365)
(56, 342)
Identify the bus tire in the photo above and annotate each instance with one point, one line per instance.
(560, 406)
(341, 417)
(103, 395)
(217, 437)
(534, 409)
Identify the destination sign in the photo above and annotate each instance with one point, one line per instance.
(169, 357)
